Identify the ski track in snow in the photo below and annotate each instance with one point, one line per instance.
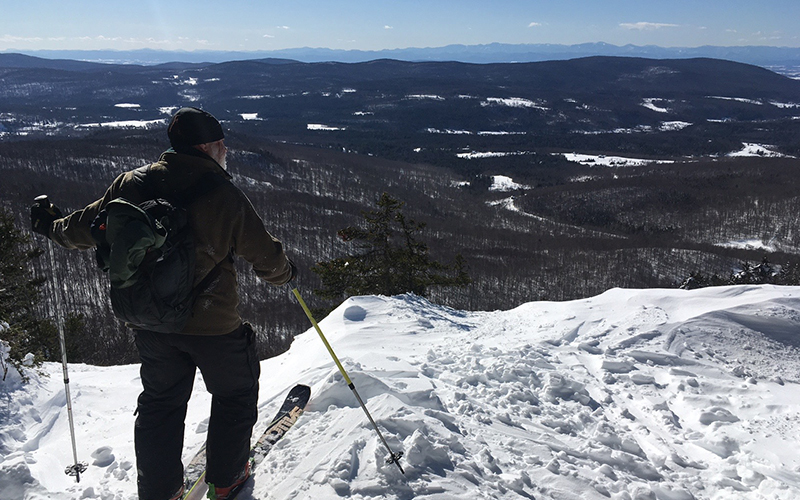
(630, 395)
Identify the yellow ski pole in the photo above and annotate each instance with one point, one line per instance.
(394, 458)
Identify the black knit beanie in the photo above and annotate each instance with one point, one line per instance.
(192, 126)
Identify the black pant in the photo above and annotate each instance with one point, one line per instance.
(230, 370)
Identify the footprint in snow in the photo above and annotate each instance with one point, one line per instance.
(103, 456)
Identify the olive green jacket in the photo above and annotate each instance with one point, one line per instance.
(224, 223)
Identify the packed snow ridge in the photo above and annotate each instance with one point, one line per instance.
(630, 395)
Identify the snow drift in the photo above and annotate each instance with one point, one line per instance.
(630, 395)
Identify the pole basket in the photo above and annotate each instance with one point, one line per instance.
(394, 458)
(76, 470)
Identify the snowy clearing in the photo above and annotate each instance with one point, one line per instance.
(784, 105)
(504, 183)
(126, 124)
(673, 126)
(320, 126)
(425, 97)
(630, 395)
(609, 161)
(650, 103)
(474, 155)
(514, 102)
(749, 245)
(447, 131)
(431, 130)
(751, 149)
(737, 99)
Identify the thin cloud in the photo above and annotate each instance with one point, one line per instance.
(387, 27)
(533, 25)
(643, 26)
(12, 38)
(97, 38)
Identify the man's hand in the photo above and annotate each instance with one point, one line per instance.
(43, 213)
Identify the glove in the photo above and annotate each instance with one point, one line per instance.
(294, 271)
(43, 213)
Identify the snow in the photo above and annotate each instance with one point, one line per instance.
(127, 105)
(473, 155)
(514, 102)
(448, 131)
(650, 103)
(432, 130)
(425, 97)
(749, 244)
(505, 183)
(638, 129)
(609, 161)
(673, 126)
(737, 99)
(320, 126)
(631, 395)
(125, 124)
(500, 132)
(249, 116)
(510, 204)
(752, 149)
(785, 105)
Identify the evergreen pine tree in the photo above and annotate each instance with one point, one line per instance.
(19, 296)
(389, 258)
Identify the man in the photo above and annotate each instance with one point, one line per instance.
(214, 339)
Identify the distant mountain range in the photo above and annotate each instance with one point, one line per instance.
(488, 53)
(423, 111)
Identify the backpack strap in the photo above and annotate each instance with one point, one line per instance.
(209, 278)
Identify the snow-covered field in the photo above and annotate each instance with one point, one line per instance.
(504, 183)
(630, 395)
(750, 149)
(751, 244)
(609, 161)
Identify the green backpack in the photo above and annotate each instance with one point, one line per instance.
(148, 251)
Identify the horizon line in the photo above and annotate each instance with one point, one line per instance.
(674, 47)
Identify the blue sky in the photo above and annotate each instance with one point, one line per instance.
(375, 25)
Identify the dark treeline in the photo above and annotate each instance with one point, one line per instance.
(575, 232)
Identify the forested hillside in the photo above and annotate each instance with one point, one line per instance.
(554, 180)
(561, 230)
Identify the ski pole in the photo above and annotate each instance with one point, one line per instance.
(394, 458)
(77, 467)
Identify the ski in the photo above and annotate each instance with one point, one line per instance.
(290, 411)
